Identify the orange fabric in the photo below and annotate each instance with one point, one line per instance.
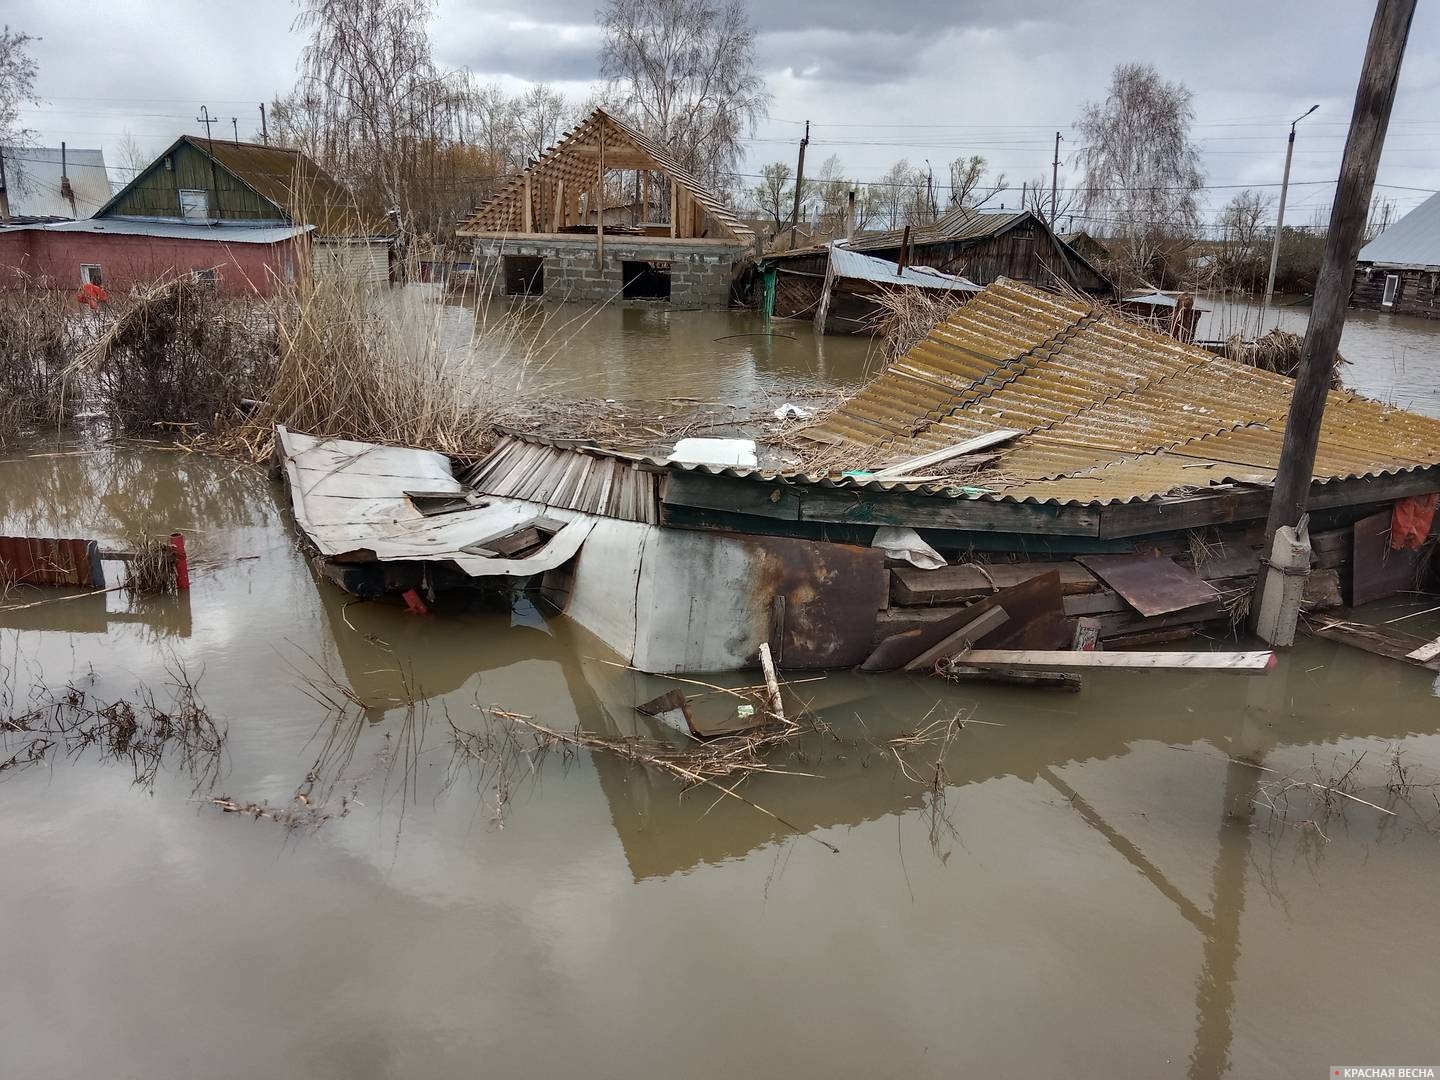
(92, 294)
(1411, 521)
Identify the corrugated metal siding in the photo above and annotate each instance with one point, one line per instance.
(570, 478)
(367, 263)
(29, 560)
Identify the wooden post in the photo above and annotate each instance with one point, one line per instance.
(904, 252)
(527, 217)
(600, 205)
(850, 216)
(644, 196)
(799, 184)
(772, 684)
(558, 214)
(674, 208)
(1373, 101)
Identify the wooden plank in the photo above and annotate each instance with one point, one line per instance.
(738, 496)
(1238, 662)
(1036, 621)
(935, 457)
(1425, 652)
(897, 620)
(1102, 602)
(1378, 640)
(1150, 584)
(854, 505)
(913, 586)
(962, 639)
(1054, 680)
(1376, 569)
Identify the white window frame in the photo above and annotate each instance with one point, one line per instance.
(1392, 290)
(85, 278)
(190, 214)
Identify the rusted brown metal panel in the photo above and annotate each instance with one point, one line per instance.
(824, 596)
(1377, 569)
(1151, 584)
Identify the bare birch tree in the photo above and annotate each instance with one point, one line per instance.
(685, 73)
(774, 195)
(968, 186)
(17, 85)
(539, 115)
(1142, 172)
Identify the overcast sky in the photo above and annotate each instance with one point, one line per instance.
(941, 79)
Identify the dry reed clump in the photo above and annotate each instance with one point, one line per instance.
(37, 335)
(906, 316)
(385, 367)
(1278, 351)
(178, 357)
(152, 570)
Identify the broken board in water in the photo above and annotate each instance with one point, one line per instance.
(1151, 584)
(1036, 620)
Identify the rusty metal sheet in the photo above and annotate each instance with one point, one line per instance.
(824, 599)
(1151, 584)
(1036, 620)
(1377, 569)
(34, 560)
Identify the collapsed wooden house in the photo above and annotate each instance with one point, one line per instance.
(1033, 454)
(851, 298)
(553, 231)
(983, 246)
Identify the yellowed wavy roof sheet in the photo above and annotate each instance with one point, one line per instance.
(1110, 411)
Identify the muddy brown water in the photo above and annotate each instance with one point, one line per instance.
(1107, 892)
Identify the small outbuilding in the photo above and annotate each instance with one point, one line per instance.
(243, 216)
(553, 231)
(1399, 271)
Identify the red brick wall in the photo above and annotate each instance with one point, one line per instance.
(54, 259)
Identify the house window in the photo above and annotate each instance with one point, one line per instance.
(194, 204)
(204, 275)
(90, 274)
(1392, 286)
(524, 275)
(646, 280)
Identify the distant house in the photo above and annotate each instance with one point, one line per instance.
(1087, 246)
(545, 232)
(241, 215)
(981, 245)
(54, 183)
(1399, 270)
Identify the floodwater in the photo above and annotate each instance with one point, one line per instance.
(1392, 358)
(1100, 890)
(652, 354)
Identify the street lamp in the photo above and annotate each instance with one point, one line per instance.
(1280, 214)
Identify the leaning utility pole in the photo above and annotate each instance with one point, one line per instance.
(264, 132)
(799, 183)
(4, 192)
(1373, 101)
(1054, 180)
(1280, 214)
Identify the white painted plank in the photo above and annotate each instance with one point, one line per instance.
(1425, 653)
(1155, 661)
(924, 461)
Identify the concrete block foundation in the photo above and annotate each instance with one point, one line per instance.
(699, 271)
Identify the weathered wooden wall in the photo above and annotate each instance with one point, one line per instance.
(1024, 253)
(1419, 292)
(157, 194)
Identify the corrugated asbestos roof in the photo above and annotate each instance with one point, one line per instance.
(1110, 411)
(853, 265)
(567, 161)
(1414, 240)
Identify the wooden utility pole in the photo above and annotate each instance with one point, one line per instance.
(1373, 101)
(600, 204)
(4, 192)
(1054, 180)
(799, 183)
(264, 131)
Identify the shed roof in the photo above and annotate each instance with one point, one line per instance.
(286, 179)
(575, 161)
(854, 265)
(219, 233)
(1414, 240)
(1109, 411)
(33, 178)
